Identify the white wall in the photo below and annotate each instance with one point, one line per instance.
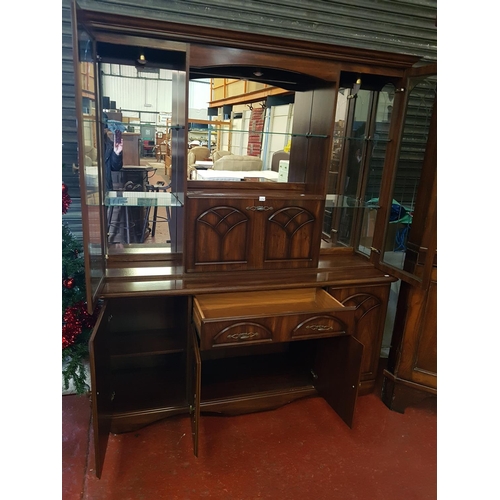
(150, 92)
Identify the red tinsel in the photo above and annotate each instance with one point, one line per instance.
(72, 326)
(75, 318)
(66, 200)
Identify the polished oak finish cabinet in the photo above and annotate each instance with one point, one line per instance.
(246, 309)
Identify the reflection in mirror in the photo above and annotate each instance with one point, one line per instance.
(243, 140)
(89, 161)
(358, 153)
(137, 111)
(409, 169)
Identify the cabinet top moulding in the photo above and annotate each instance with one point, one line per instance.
(103, 23)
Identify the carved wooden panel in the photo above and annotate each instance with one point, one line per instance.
(289, 234)
(318, 326)
(241, 234)
(221, 235)
(244, 332)
(218, 234)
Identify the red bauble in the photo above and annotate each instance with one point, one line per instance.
(69, 283)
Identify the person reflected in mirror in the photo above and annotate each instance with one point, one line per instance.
(113, 149)
(113, 162)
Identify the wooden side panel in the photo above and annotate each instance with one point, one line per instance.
(338, 364)
(411, 374)
(101, 388)
(419, 347)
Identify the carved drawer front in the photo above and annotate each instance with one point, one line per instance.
(224, 319)
(317, 326)
(226, 333)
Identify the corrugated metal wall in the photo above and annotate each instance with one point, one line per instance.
(402, 26)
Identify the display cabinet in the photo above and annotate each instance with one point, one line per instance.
(269, 290)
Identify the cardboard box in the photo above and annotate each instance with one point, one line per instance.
(283, 170)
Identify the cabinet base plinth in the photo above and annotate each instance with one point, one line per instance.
(133, 421)
(255, 402)
(397, 395)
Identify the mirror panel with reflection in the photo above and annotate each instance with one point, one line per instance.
(245, 140)
(136, 122)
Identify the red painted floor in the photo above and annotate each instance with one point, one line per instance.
(300, 451)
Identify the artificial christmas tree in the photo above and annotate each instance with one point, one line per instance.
(77, 323)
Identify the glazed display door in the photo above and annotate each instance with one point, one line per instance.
(87, 115)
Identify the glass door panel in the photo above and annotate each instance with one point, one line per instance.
(376, 149)
(420, 103)
(361, 135)
(90, 180)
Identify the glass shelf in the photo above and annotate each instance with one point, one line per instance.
(226, 130)
(352, 138)
(141, 199)
(337, 200)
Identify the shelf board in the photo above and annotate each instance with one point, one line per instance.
(146, 343)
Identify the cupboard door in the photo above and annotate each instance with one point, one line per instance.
(195, 388)
(101, 393)
(230, 234)
(291, 233)
(369, 320)
(219, 234)
(337, 371)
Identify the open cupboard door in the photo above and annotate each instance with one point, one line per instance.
(194, 387)
(337, 373)
(101, 392)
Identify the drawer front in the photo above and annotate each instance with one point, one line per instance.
(317, 325)
(245, 332)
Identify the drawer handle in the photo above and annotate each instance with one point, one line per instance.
(243, 336)
(259, 208)
(320, 328)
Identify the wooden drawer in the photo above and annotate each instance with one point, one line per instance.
(319, 325)
(247, 318)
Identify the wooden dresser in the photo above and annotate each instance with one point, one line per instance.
(266, 291)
